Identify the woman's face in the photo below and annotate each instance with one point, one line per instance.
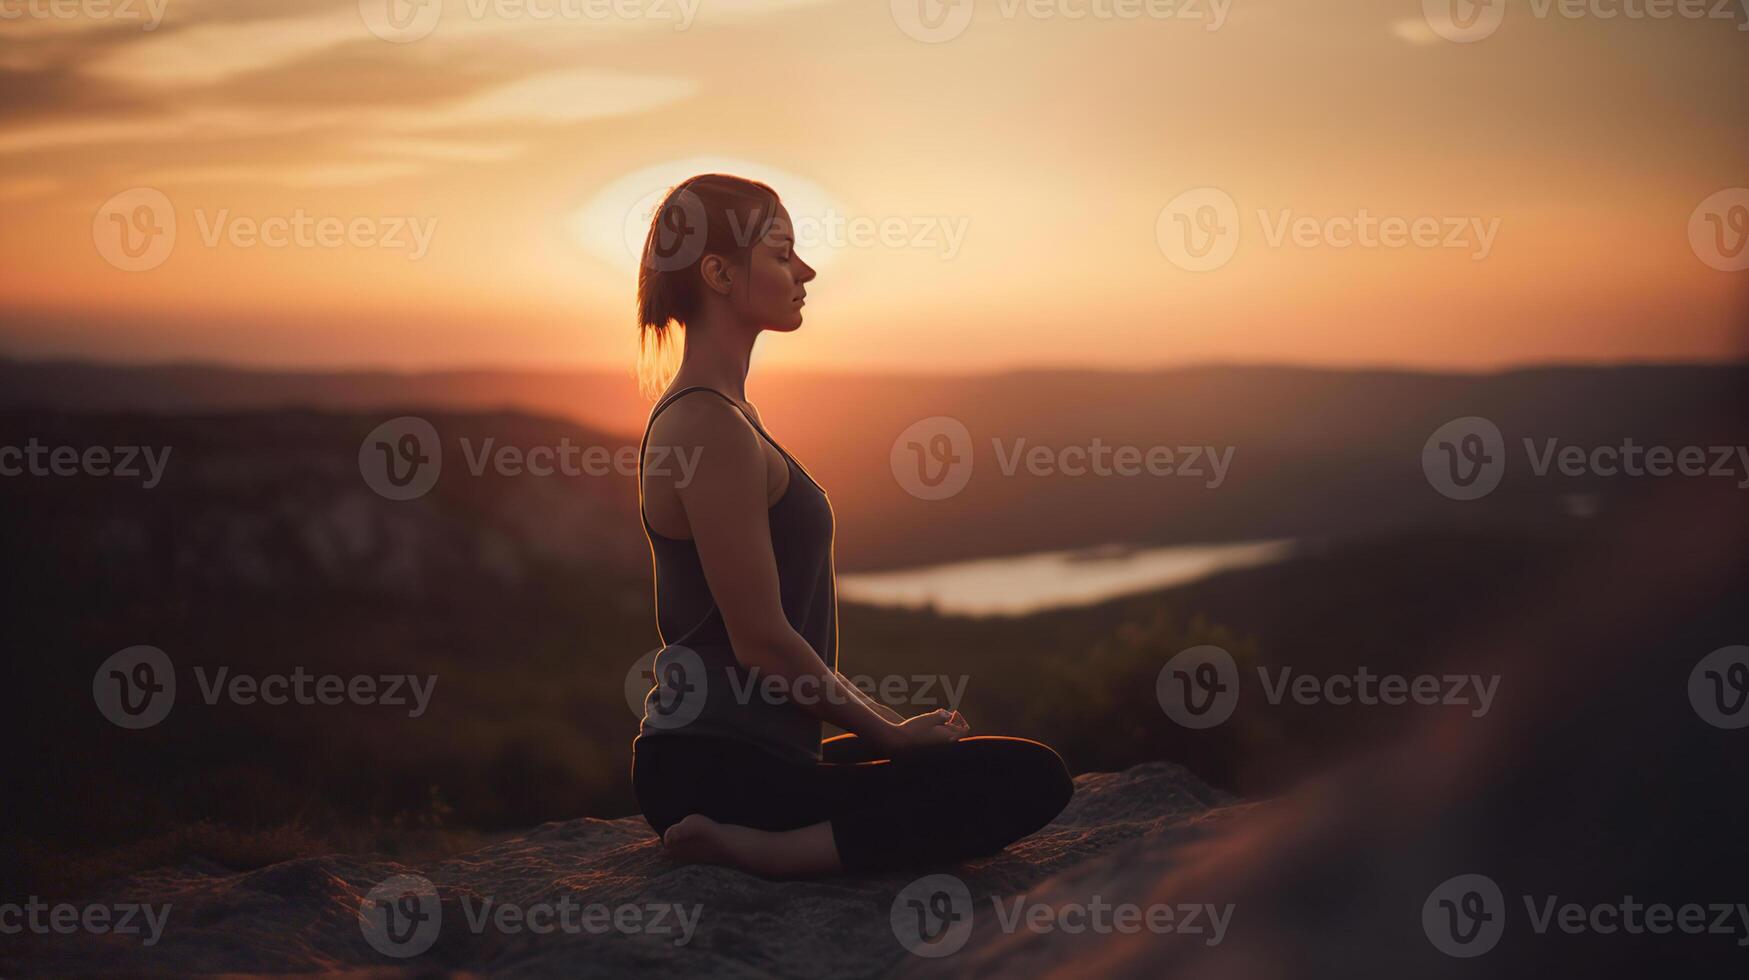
(774, 288)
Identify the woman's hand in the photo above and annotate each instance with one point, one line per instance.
(937, 727)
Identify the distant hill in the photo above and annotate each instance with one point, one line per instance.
(1313, 452)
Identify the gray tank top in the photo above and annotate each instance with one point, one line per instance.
(700, 688)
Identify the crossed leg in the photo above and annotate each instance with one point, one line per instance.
(857, 811)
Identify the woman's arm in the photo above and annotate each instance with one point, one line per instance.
(727, 514)
(877, 707)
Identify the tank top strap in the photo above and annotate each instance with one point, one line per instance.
(671, 399)
(674, 397)
(644, 445)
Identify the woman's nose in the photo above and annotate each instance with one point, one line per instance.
(807, 273)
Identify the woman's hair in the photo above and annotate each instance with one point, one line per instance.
(707, 214)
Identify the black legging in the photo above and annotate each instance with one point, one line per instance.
(936, 805)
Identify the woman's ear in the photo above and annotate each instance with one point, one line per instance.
(715, 270)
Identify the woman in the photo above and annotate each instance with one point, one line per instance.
(729, 766)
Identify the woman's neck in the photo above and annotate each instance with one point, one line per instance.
(716, 358)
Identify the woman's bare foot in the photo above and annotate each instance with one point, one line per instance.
(697, 839)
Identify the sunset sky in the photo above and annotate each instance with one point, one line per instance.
(1019, 169)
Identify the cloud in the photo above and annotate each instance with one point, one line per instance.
(437, 149)
(548, 99)
(311, 175)
(208, 53)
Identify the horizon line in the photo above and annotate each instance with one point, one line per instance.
(628, 371)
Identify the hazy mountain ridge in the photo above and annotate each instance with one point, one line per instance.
(1312, 451)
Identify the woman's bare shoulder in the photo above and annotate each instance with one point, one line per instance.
(699, 418)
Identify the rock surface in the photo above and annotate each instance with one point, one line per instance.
(304, 915)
